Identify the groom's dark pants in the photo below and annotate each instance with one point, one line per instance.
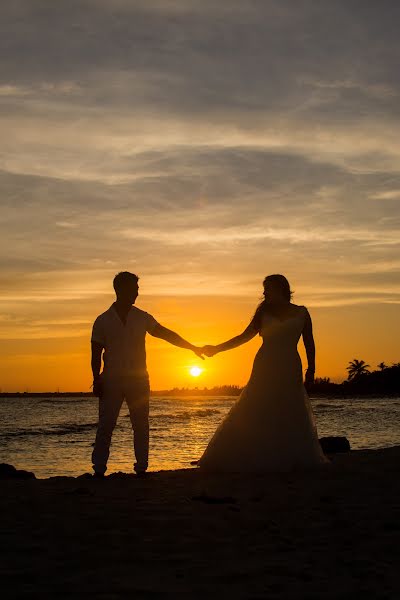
(136, 392)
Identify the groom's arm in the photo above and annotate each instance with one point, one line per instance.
(98, 343)
(173, 338)
(97, 351)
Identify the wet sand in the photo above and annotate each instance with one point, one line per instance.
(316, 535)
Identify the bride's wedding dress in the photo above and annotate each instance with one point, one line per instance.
(271, 427)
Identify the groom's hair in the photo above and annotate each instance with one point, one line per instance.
(123, 279)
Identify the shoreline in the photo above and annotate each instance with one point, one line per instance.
(192, 394)
(336, 457)
(324, 533)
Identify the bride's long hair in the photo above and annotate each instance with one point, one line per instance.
(282, 283)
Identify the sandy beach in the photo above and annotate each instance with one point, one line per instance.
(185, 534)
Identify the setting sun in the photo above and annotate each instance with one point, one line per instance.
(195, 371)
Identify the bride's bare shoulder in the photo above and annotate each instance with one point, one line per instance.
(301, 308)
(298, 306)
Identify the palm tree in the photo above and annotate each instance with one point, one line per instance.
(382, 366)
(357, 368)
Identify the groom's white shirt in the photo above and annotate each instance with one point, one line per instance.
(124, 345)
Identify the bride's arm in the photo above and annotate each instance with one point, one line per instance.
(234, 342)
(309, 343)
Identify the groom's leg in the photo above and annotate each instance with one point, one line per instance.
(137, 398)
(109, 407)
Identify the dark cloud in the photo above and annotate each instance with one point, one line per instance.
(205, 140)
(266, 56)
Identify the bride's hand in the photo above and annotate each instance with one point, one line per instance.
(309, 378)
(209, 350)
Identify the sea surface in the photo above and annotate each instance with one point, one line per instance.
(54, 436)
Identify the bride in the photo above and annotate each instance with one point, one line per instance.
(271, 427)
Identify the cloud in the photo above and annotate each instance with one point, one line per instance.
(387, 195)
(198, 142)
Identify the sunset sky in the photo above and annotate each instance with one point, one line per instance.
(201, 145)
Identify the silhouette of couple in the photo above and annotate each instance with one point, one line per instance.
(271, 427)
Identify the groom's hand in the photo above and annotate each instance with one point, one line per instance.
(98, 386)
(209, 350)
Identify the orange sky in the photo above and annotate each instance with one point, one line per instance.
(63, 360)
(233, 140)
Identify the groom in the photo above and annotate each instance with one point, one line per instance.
(120, 332)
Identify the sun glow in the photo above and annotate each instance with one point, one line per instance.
(195, 371)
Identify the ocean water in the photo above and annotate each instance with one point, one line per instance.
(54, 436)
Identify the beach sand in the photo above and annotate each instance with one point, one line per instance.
(327, 534)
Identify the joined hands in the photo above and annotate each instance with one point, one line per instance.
(207, 350)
